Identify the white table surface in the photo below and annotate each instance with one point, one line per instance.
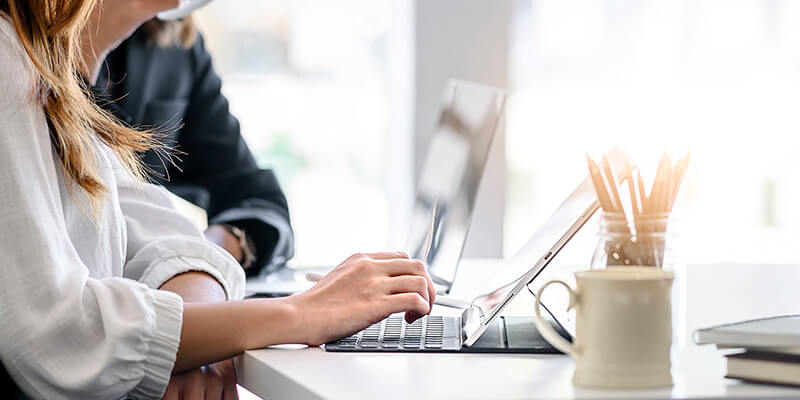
(704, 295)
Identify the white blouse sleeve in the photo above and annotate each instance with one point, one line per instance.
(64, 334)
(162, 243)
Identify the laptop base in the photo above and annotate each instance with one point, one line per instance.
(515, 335)
(437, 334)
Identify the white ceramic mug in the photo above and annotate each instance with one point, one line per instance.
(623, 324)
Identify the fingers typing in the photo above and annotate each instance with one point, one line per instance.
(408, 284)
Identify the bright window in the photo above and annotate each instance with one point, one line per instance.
(307, 81)
(720, 76)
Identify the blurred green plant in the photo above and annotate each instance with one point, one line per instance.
(282, 156)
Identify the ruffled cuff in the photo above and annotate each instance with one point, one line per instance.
(162, 346)
(168, 268)
(168, 258)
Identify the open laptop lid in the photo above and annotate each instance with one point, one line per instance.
(450, 176)
(539, 251)
(446, 192)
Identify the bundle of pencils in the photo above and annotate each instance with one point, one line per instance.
(636, 234)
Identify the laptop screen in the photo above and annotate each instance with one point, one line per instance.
(450, 176)
(543, 246)
(581, 201)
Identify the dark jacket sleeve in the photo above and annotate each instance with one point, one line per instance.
(214, 167)
(218, 159)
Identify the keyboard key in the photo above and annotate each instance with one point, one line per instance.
(394, 334)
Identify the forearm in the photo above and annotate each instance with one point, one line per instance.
(364, 289)
(196, 287)
(213, 332)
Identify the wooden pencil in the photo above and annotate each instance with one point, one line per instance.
(636, 205)
(599, 186)
(657, 192)
(632, 192)
(681, 167)
(643, 200)
(610, 179)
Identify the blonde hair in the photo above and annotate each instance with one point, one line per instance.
(49, 31)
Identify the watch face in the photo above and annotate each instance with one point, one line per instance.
(185, 8)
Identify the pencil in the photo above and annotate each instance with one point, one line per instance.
(611, 181)
(668, 180)
(636, 206)
(666, 183)
(643, 201)
(681, 167)
(599, 187)
(657, 196)
(632, 193)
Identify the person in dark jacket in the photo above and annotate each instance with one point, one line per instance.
(162, 78)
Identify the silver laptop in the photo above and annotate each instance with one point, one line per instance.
(446, 191)
(480, 327)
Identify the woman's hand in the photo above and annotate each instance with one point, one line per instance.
(361, 291)
(215, 381)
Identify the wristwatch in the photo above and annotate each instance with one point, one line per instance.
(245, 244)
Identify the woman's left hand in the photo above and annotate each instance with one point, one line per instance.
(214, 381)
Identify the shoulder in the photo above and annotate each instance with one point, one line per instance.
(13, 58)
(198, 49)
(16, 70)
(24, 136)
(142, 41)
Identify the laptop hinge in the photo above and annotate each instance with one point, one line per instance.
(471, 320)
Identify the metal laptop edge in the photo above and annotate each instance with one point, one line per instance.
(473, 321)
(443, 285)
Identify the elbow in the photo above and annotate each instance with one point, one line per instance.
(95, 346)
(59, 378)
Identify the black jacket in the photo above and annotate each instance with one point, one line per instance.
(176, 91)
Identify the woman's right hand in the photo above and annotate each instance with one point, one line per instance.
(361, 291)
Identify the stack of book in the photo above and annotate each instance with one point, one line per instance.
(769, 349)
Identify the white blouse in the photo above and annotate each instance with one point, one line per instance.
(80, 313)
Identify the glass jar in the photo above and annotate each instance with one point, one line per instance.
(648, 241)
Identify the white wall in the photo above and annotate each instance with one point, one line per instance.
(400, 142)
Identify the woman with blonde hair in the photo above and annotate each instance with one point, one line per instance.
(104, 285)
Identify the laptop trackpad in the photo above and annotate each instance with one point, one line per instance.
(492, 341)
(514, 335)
(523, 336)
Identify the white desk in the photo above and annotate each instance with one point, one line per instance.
(712, 293)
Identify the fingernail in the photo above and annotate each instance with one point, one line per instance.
(411, 316)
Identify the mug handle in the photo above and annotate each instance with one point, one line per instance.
(547, 331)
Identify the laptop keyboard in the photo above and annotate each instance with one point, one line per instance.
(430, 333)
